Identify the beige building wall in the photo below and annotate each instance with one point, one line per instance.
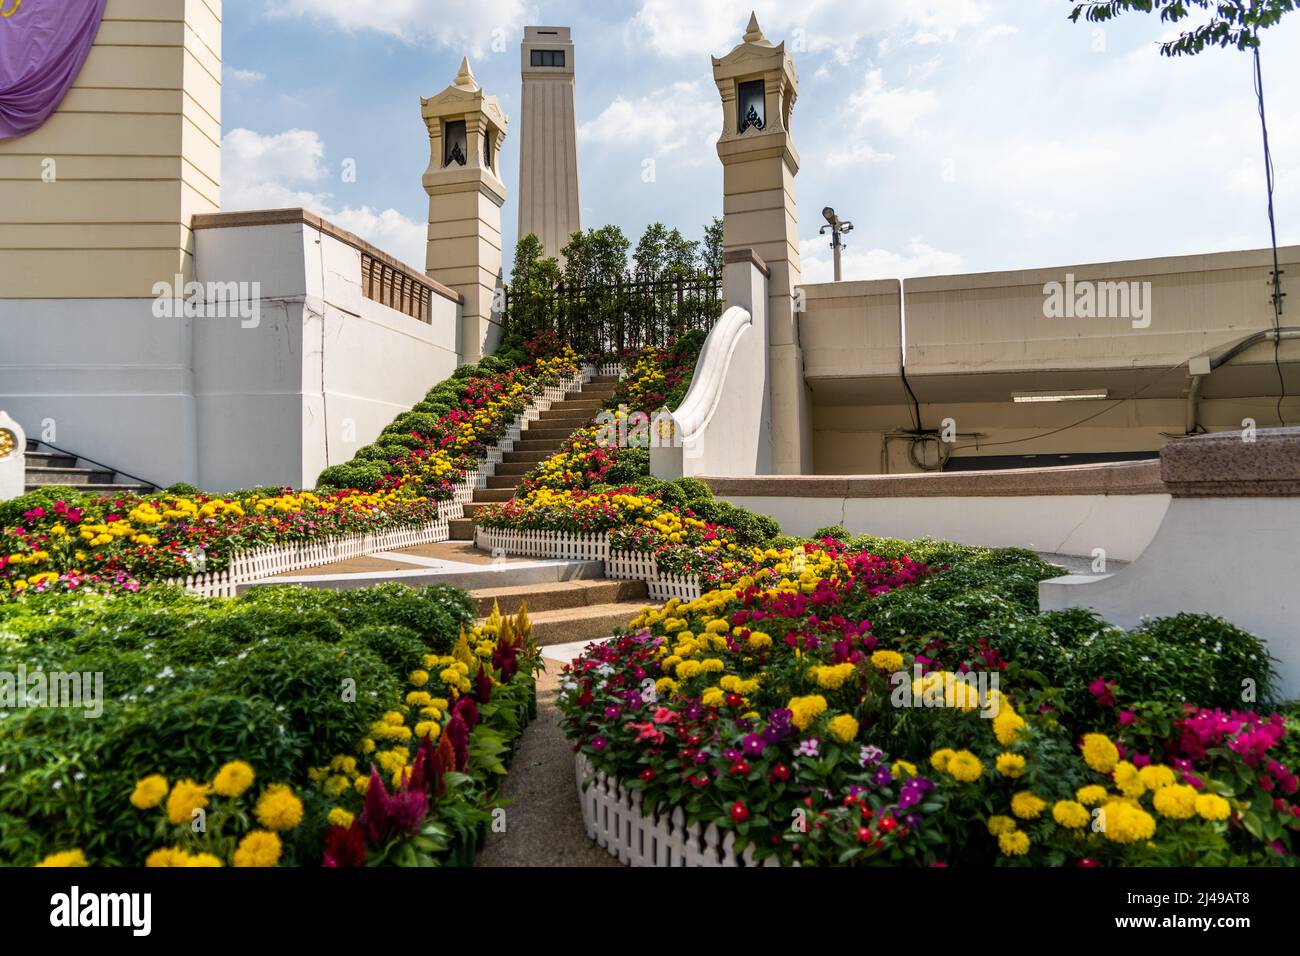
(133, 152)
(974, 340)
(760, 213)
(550, 206)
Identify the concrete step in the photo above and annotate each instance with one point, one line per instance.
(587, 623)
(530, 457)
(43, 476)
(50, 459)
(462, 529)
(547, 445)
(547, 433)
(504, 481)
(482, 495)
(513, 469)
(579, 406)
(472, 507)
(571, 422)
(555, 597)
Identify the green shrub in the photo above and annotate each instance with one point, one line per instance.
(836, 531)
(632, 467)
(400, 648)
(693, 490)
(356, 474)
(183, 489)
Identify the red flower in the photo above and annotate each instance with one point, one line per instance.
(739, 812)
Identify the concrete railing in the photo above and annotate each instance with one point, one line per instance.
(725, 421)
(1080, 510)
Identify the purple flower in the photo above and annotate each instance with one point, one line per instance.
(753, 744)
(869, 755)
(599, 743)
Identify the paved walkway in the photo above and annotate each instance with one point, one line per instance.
(544, 820)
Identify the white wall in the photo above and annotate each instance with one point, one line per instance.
(1234, 557)
(1123, 525)
(223, 402)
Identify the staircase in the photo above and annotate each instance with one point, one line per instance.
(48, 469)
(542, 440)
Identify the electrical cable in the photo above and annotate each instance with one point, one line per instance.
(1272, 226)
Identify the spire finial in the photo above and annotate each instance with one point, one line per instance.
(465, 76)
(753, 32)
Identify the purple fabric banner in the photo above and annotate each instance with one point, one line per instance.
(43, 45)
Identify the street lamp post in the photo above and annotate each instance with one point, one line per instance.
(838, 229)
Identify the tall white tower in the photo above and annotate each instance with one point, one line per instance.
(549, 204)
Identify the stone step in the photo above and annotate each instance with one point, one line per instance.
(587, 623)
(462, 529)
(570, 421)
(529, 457)
(68, 476)
(504, 481)
(577, 406)
(482, 495)
(513, 469)
(547, 445)
(603, 380)
(547, 433)
(557, 596)
(472, 507)
(50, 459)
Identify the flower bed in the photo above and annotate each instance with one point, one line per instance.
(58, 539)
(811, 714)
(306, 726)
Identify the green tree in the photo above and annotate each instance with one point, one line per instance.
(1232, 22)
(711, 248)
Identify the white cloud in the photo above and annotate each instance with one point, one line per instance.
(681, 28)
(859, 155)
(684, 117)
(918, 259)
(495, 25)
(230, 74)
(996, 32)
(279, 171)
(896, 109)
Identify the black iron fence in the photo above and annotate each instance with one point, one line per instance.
(627, 314)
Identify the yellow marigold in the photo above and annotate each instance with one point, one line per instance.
(965, 766)
(258, 848)
(1211, 806)
(186, 797)
(1123, 822)
(843, 727)
(903, 768)
(887, 661)
(233, 779)
(1015, 843)
(428, 728)
(939, 759)
(832, 676)
(688, 669)
(340, 818)
(67, 858)
(805, 710)
(149, 792)
(1027, 806)
(1091, 795)
(1099, 753)
(203, 860)
(1070, 814)
(1011, 765)
(278, 808)
(419, 678)
(1177, 802)
(1129, 780)
(166, 856)
(1155, 776)
(999, 824)
(1007, 725)
(713, 697)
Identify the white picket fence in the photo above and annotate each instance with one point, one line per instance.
(565, 546)
(261, 563)
(616, 821)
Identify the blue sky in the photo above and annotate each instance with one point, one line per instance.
(959, 135)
